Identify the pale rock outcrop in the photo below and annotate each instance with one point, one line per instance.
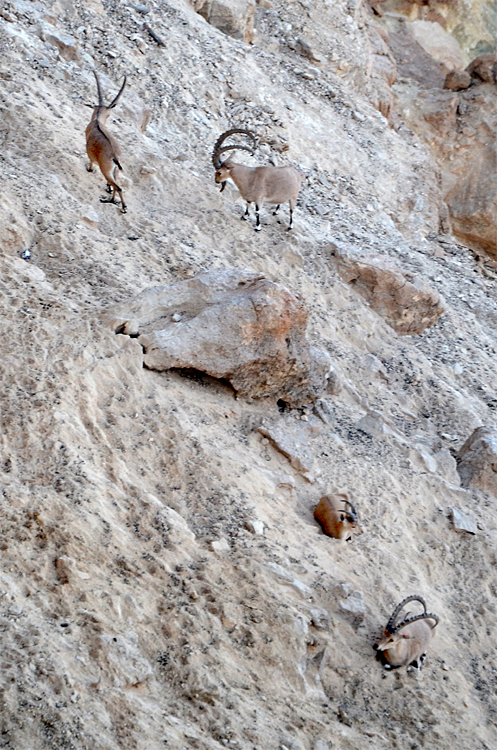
(459, 123)
(230, 324)
(232, 17)
(440, 45)
(477, 460)
(292, 440)
(463, 521)
(409, 307)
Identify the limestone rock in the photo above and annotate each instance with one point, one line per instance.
(409, 307)
(457, 80)
(353, 608)
(463, 521)
(320, 618)
(473, 199)
(254, 526)
(66, 44)
(483, 68)
(235, 325)
(121, 661)
(291, 440)
(437, 43)
(477, 460)
(233, 17)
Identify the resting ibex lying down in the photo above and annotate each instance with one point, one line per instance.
(405, 644)
(256, 184)
(102, 148)
(334, 517)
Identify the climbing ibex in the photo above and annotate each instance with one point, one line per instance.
(335, 519)
(256, 184)
(102, 148)
(405, 644)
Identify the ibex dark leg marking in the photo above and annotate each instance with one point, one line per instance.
(246, 214)
(291, 217)
(258, 219)
(276, 209)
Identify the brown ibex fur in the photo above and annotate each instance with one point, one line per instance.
(256, 184)
(335, 519)
(102, 148)
(405, 644)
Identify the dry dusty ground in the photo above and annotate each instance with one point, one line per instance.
(122, 627)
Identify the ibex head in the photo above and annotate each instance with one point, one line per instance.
(222, 168)
(101, 109)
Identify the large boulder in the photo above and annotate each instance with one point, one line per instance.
(437, 43)
(477, 460)
(233, 17)
(230, 324)
(407, 306)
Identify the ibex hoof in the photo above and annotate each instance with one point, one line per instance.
(107, 200)
(289, 229)
(243, 218)
(124, 210)
(89, 169)
(258, 228)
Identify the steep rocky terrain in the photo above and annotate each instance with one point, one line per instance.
(163, 581)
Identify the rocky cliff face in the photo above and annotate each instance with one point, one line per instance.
(163, 580)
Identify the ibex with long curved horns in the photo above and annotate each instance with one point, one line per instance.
(256, 184)
(406, 648)
(102, 148)
(335, 518)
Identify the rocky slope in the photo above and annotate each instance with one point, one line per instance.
(163, 581)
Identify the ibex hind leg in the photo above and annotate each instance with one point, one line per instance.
(246, 214)
(276, 209)
(115, 189)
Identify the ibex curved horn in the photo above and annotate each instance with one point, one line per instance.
(218, 151)
(116, 99)
(100, 97)
(409, 620)
(390, 626)
(353, 512)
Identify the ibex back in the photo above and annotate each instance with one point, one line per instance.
(102, 148)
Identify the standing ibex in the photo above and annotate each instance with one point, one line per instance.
(102, 147)
(334, 517)
(406, 648)
(256, 184)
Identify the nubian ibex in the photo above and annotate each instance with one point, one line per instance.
(405, 644)
(102, 148)
(335, 518)
(256, 184)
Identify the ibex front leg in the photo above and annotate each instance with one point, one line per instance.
(246, 214)
(258, 226)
